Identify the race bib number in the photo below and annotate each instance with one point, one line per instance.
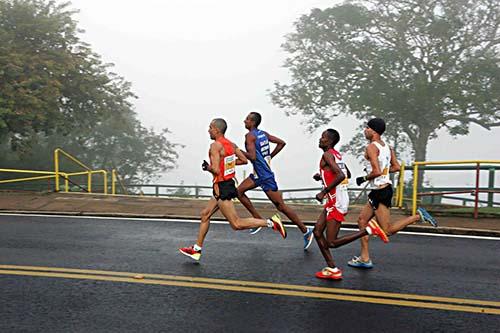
(229, 164)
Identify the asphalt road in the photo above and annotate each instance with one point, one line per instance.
(60, 274)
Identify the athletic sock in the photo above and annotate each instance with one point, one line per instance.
(369, 230)
(270, 223)
(333, 269)
(196, 247)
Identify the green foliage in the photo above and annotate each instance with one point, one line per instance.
(56, 92)
(420, 65)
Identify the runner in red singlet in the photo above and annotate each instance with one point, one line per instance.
(334, 174)
(224, 156)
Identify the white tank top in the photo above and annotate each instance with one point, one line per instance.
(384, 163)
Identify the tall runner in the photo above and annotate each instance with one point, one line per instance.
(258, 151)
(334, 174)
(381, 160)
(224, 156)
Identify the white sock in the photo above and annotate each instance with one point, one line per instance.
(334, 269)
(270, 223)
(196, 247)
(369, 230)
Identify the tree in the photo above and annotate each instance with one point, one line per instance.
(422, 65)
(55, 91)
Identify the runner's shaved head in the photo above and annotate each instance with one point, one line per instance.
(220, 124)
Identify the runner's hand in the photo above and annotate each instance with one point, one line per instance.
(360, 180)
(320, 196)
(317, 177)
(204, 165)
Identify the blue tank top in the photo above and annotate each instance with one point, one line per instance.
(262, 163)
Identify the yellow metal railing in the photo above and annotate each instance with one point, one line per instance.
(88, 171)
(424, 163)
(89, 178)
(114, 177)
(48, 175)
(398, 198)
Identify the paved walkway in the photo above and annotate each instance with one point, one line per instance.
(152, 207)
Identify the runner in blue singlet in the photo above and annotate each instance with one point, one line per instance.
(258, 151)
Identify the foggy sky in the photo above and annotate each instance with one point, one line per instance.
(191, 61)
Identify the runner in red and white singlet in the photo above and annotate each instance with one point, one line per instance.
(334, 174)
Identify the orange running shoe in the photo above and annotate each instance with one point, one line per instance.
(329, 274)
(190, 252)
(377, 230)
(278, 225)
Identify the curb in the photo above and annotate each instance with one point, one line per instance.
(411, 228)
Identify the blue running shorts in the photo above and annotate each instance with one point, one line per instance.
(268, 184)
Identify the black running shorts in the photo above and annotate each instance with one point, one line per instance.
(225, 190)
(381, 196)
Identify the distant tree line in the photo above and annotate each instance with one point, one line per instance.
(56, 92)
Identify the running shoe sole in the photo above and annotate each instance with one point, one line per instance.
(278, 225)
(377, 230)
(426, 217)
(356, 263)
(253, 231)
(308, 239)
(320, 275)
(195, 256)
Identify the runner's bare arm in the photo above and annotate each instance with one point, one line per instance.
(278, 142)
(372, 153)
(250, 152)
(348, 172)
(395, 167)
(340, 176)
(214, 154)
(241, 159)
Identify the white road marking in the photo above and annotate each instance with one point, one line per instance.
(225, 222)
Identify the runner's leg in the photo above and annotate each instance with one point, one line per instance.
(246, 185)
(206, 214)
(383, 215)
(237, 223)
(364, 217)
(277, 199)
(318, 231)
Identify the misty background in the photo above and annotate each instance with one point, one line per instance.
(192, 61)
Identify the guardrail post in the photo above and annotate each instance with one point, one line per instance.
(196, 192)
(113, 182)
(415, 182)
(401, 185)
(66, 182)
(491, 185)
(157, 191)
(476, 195)
(56, 168)
(105, 176)
(89, 182)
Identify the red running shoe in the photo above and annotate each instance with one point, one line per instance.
(329, 274)
(377, 230)
(278, 225)
(190, 252)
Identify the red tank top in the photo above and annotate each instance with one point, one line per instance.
(227, 167)
(328, 175)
